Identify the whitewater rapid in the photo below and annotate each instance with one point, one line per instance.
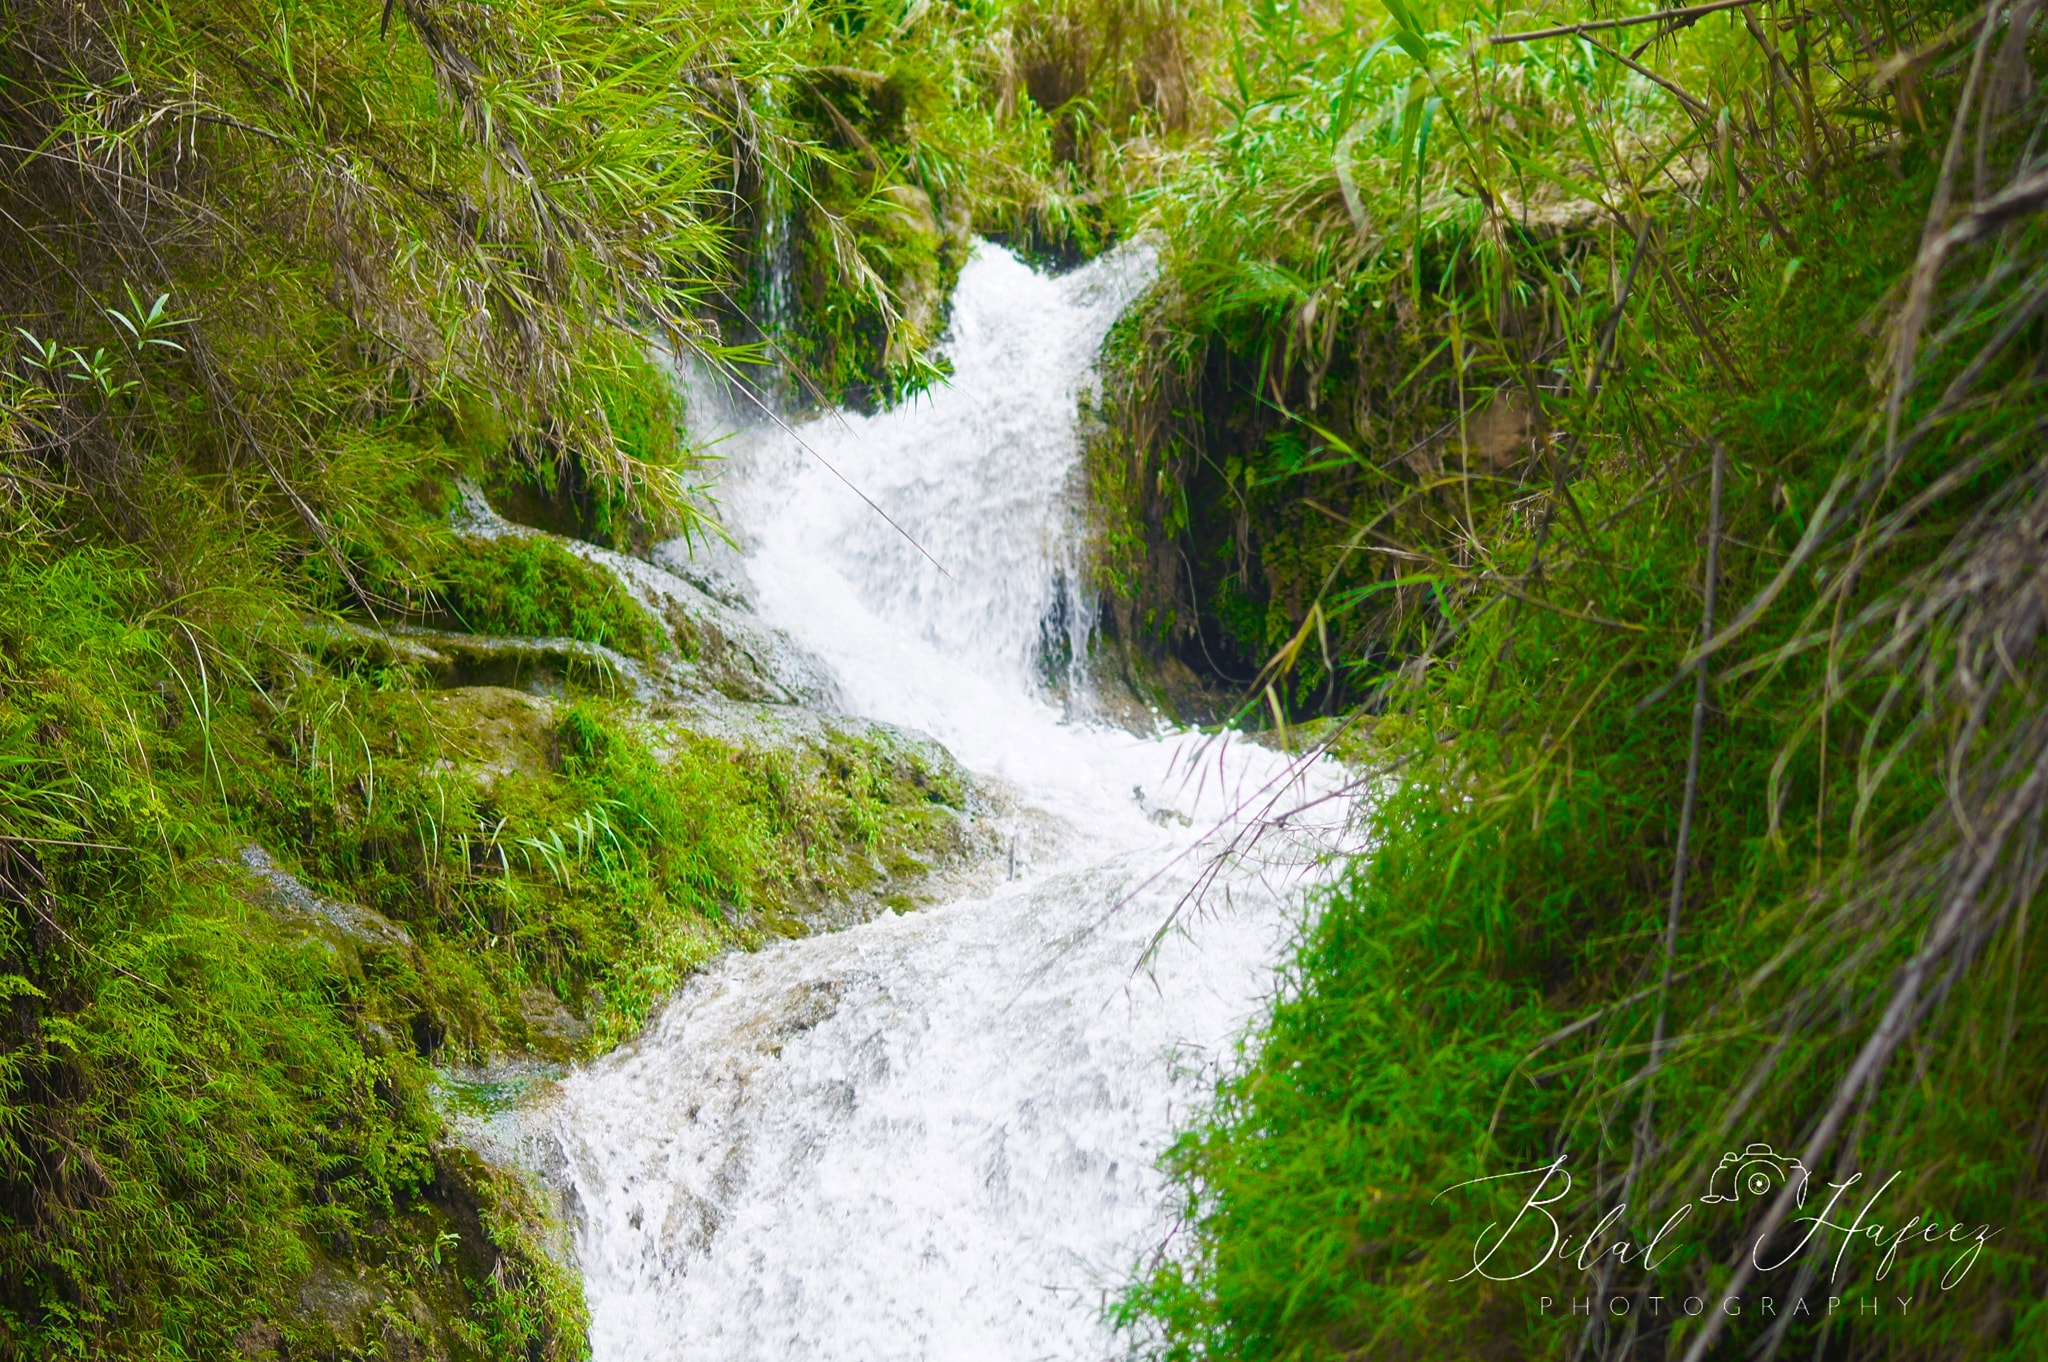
(935, 1136)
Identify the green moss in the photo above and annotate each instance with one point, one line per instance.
(396, 554)
(530, 586)
(868, 338)
(1479, 992)
(205, 1098)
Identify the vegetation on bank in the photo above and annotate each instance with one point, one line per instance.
(280, 283)
(213, 1092)
(1632, 437)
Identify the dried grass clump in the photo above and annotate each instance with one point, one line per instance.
(352, 218)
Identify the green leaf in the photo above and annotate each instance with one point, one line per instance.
(1407, 31)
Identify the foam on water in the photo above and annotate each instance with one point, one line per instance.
(933, 1137)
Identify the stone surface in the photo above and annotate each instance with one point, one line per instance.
(348, 930)
(496, 730)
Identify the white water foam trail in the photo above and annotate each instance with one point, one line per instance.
(934, 1136)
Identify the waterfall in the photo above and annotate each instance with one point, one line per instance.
(934, 1136)
(773, 267)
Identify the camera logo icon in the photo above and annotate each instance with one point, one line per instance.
(1757, 1172)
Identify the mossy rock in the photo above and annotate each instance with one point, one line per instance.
(553, 667)
(347, 931)
(530, 586)
(474, 1272)
(501, 730)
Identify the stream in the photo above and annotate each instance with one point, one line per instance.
(935, 1136)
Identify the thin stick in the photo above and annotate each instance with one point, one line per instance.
(1685, 15)
(1697, 108)
(826, 463)
(1645, 1120)
(1692, 760)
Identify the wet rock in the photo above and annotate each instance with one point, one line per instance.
(710, 564)
(496, 730)
(349, 931)
(538, 666)
(402, 1311)
(552, 1030)
(510, 1240)
(1139, 688)
(721, 648)
(478, 1250)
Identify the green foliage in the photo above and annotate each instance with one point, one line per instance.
(200, 1098)
(277, 281)
(169, 1081)
(1453, 342)
(1465, 353)
(551, 485)
(525, 584)
(1375, 269)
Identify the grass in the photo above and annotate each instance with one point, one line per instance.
(1465, 353)
(203, 1100)
(275, 281)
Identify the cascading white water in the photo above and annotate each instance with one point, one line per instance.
(934, 1136)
